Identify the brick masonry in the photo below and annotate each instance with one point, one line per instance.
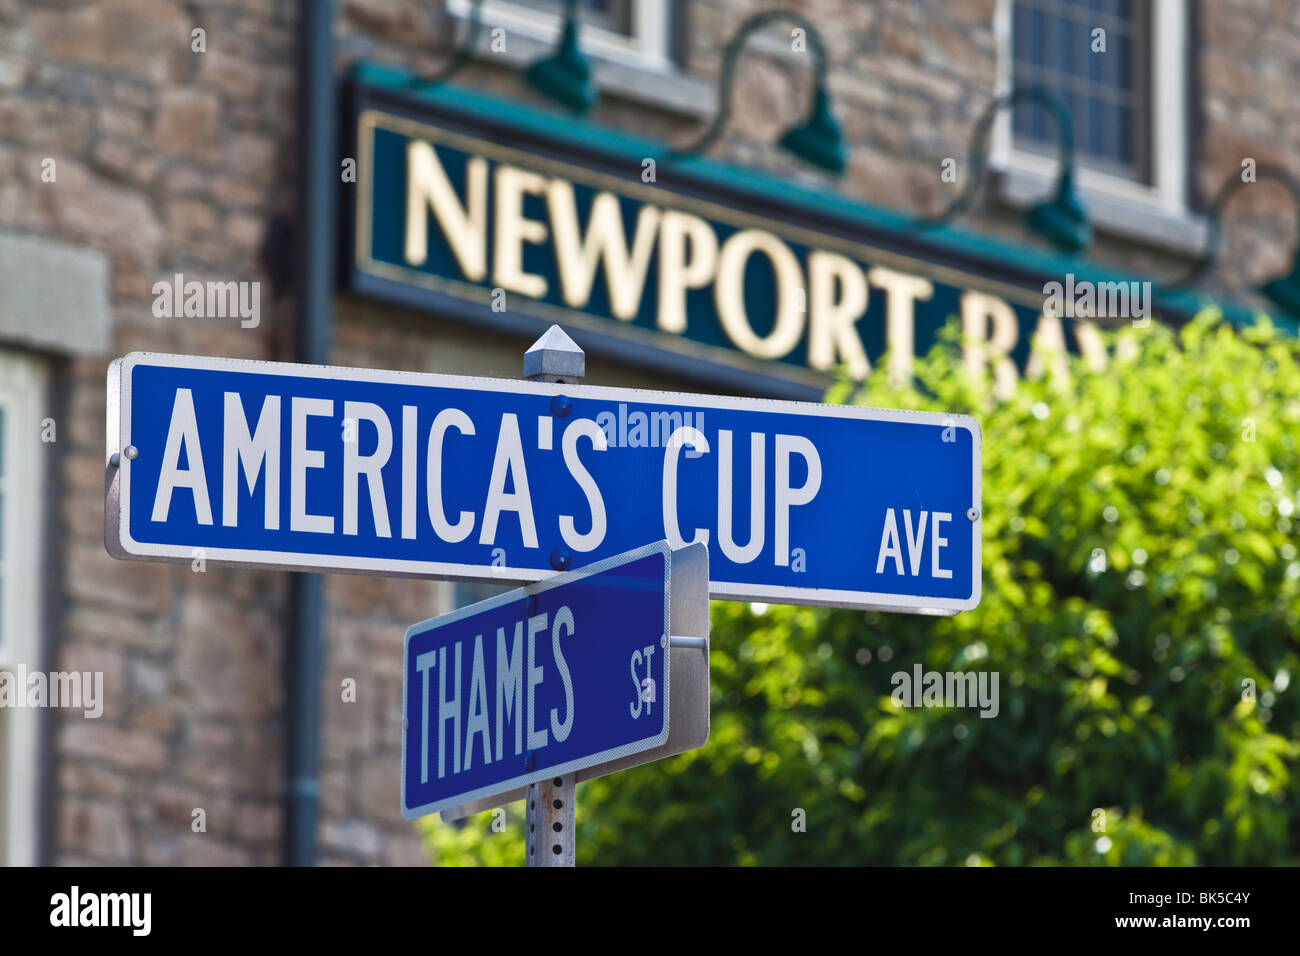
(170, 160)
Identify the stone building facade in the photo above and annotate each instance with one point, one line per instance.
(130, 151)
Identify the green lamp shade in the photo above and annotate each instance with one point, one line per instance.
(1285, 290)
(818, 141)
(1062, 220)
(565, 76)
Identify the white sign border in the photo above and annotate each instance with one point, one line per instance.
(119, 543)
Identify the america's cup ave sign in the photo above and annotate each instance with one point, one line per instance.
(341, 469)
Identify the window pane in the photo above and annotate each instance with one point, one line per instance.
(1094, 120)
(1051, 46)
(1037, 45)
(1067, 54)
(1125, 131)
(1124, 71)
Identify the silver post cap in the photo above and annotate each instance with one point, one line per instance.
(554, 357)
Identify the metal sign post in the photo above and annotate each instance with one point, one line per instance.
(309, 467)
(551, 812)
(552, 804)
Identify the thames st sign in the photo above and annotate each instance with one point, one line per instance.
(571, 674)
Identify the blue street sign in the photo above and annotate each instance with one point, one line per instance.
(539, 682)
(336, 469)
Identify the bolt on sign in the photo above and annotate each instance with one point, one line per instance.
(340, 469)
(495, 213)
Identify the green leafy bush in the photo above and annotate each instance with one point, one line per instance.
(1140, 578)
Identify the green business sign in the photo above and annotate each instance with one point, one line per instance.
(490, 212)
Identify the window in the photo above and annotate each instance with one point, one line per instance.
(632, 32)
(614, 16)
(1128, 102)
(1053, 46)
(22, 396)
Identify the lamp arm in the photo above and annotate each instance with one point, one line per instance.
(726, 76)
(979, 148)
(1214, 217)
(460, 56)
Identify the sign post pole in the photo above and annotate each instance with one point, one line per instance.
(866, 512)
(550, 818)
(551, 814)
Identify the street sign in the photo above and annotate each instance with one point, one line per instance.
(688, 726)
(556, 677)
(733, 252)
(338, 469)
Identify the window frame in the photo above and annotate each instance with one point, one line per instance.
(650, 46)
(23, 392)
(1166, 85)
(590, 18)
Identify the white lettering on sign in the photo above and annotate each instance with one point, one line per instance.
(510, 687)
(509, 464)
(562, 624)
(448, 746)
(355, 465)
(892, 546)
(477, 722)
(785, 495)
(259, 451)
(756, 510)
(444, 420)
(643, 696)
(694, 439)
(536, 738)
(183, 431)
(584, 428)
(300, 459)
(393, 443)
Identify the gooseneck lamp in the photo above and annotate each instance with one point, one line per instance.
(1284, 290)
(818, 139)
(565, 75)
(460, 56)
(1062, 218)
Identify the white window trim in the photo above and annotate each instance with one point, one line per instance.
(1168, 193)
(22, 393)
(640, 71)
(649, 47)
